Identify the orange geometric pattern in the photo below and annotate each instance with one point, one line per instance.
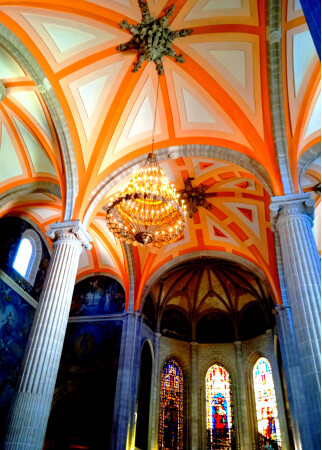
(217, 99)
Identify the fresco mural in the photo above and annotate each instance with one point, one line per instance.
(82, 411)
(215, 327)
(97, 295)
(175, 324)
(148, 313)
(13, 228)
(16, 316)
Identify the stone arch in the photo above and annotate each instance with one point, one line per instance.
(307, 159)
(11, 42)
(45, 238)
(29, 188)
(192, 150)
(216, 358)
(208, 253)
(103, 274)
(35, 257)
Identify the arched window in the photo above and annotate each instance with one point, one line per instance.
(265, 399)
(171, 407)
(28, 256)
(219, 408)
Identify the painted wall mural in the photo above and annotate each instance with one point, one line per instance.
(82, 410)
(16, 316)
(13, 228)
(97, 295)
(175, 324)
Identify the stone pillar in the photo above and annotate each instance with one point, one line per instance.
(194, 410)
(155, 395)
(292, 219)
(123, 431)
(244, 441)
(28, 416)
(272, 357)
(300, 422)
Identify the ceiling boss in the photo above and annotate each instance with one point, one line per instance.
(152, 38)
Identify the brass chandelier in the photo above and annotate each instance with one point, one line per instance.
(148, 210)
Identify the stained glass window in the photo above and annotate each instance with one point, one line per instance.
(171, 407)
(219, 409)
(265, 399)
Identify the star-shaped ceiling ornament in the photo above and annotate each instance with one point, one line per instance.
(195, 196)
(152, 38)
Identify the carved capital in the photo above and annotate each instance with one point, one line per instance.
(291, 206)
(73, 232)
(2, 92)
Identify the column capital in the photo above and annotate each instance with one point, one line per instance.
(71, 232)
(238, 344)
(2, 92)
(194, 344)
(280, 308)
(289, 206)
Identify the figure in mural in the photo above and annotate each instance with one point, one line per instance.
(97, 295)
(16, 317)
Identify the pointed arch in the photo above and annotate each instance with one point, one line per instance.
(171, 406)
(265, 400)
(220, 430)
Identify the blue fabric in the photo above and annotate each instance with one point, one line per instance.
(312, 12)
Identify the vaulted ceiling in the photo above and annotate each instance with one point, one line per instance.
(75, 120)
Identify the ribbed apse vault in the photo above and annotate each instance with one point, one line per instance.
(209, 300)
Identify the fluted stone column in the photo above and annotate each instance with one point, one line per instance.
(123, 431)
(28, 416)
(243, 421)
(194, 413)
(155, 395)
(292, 219)
(299, 411)
(272, 357)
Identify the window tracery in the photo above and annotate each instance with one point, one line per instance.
(219, 409)
(28, 256)
(266, 407)
(171, 407)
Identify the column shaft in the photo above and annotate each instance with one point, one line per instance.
(302, 275)
(300, 422)
(243, 421)
(155, 394)
(194, 413)
(29, 412)
(123, 432)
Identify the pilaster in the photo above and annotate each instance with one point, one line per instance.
(155, 394)
(29, 412)
(123, 431)
(292, 219)
(300, 421)
(242, 415)
(194, 413)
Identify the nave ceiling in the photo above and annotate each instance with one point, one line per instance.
(75, 120)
